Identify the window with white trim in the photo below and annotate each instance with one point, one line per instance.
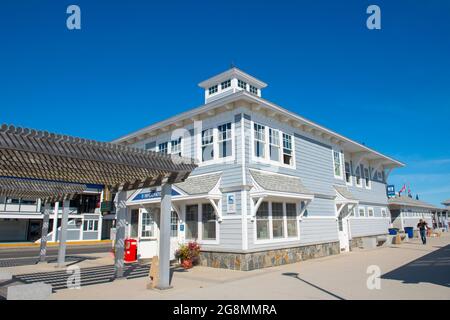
(358, 177)
(291, 219)
(287, 149)
(191, 222)
(224, 140)
(173, 224)
(274, 144)
(225, 84)
(362, 212)
(259, 140)
(280, 146)
(207, 144)
(242, 84)
(253, 90)
(367, 178)
(370, 212)
(201, 222)
(276, 220)
(175, 146)
(383, 213)
(262, 221)
(163, 147)
(348, 173)
(337, 164)
(208, 222)
(90, 225)
(148, 224)
(213, 89)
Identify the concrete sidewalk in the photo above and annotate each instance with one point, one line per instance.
(408, 271)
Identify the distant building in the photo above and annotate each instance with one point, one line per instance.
(407, 212)
(21, 219)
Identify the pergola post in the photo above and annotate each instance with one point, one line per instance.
(44, 234)
(63, 234)
(436, 216)
(121, 221)
(55, 222)
(164, 236)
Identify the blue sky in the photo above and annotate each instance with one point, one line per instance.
(137, 62)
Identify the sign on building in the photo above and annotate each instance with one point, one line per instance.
(231, 203)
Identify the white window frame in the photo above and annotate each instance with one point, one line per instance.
(155, 223)
(384, 213)
(213, 89)
(167, 147)
(285, 237)
(367, 186)
(253, 89)
(349, 183)
(200, 239)
(266, 159)
(244, 83)
(360, 184)
(216, 159)
(90, 225)
(278, 146)
(341, 176)
(363, 209)
(283, 134)
(219, 141)
(179, 141)
(369, 209)
(225, 84)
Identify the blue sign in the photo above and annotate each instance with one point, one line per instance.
(390, 189)
(152, 194)
(182, 227)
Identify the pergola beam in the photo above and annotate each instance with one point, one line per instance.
(32, 154)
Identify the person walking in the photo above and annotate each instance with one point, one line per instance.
(445, 222)
(423, 226)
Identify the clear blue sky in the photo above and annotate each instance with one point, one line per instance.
(388, 88)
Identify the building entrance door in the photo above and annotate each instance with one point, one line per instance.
(344, 239)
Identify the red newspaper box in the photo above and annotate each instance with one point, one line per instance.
(130, 254)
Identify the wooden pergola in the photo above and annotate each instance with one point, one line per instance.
(39, 161)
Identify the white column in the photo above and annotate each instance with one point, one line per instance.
(55, 221)
(164, 237)
(63, 234)
(100, 218)
(121, 221)
(44, 234)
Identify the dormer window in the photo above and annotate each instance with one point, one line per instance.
(213, 89)
(253, 90)
(242, 84)
(225, 84)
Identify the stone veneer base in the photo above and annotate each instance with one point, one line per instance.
(268, 258)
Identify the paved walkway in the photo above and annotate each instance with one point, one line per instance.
(408, 271)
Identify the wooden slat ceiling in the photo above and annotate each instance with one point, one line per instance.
(28, 153)
(38, 189)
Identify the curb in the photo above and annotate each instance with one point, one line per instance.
(53, 244)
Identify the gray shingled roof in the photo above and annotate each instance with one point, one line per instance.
(275, 182)
(345, 192)
(199, 185)
(407, 201)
